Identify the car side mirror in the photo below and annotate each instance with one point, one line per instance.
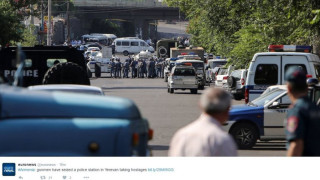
(274, 105)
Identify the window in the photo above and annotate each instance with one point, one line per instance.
(125, 43)
(142, 44)
(134, 43)
(236, 74)
(184, 72)
(301, 66)
(118, 43)
(317, 70)
(51, 62)
(266, 74)
(222, 71)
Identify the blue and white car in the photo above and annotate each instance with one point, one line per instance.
(262, 118)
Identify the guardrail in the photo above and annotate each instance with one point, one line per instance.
(120, 3)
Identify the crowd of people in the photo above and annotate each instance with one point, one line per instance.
(141, 68)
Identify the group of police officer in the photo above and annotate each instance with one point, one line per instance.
(141, 68)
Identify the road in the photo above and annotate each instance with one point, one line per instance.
(169, 112)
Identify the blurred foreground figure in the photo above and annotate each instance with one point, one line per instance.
(303, 118)
(205, 137)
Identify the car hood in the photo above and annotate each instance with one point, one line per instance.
(244, 109)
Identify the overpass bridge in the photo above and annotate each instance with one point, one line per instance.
(140, 12)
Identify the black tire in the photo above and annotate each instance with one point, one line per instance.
(245, 135)
(97, 70)
(237, 97)
(66, 73)
(194, 91)
(168, 90)
(162, 51)
(125, 53)
(201, 87)
(171, 90)
(231, 81)
(165, 79)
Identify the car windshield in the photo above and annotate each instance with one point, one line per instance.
(213, 64)
(197, 65)
(184, 72)
(264, 99)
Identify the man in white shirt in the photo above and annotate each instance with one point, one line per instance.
(205, 137)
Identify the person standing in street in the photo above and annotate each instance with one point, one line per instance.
(133, 68)
(205, 136)
(113, 67)
(118, 68)
(303, 118)
(126, 69)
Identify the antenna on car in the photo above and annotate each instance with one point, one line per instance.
(20, 64)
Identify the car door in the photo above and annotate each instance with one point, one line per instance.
(265, 71)
(274, 116)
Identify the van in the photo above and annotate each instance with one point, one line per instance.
(269, 68)
(131, 45)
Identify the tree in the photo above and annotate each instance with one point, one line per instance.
(239, 28)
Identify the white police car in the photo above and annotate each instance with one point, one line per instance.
(263, 118)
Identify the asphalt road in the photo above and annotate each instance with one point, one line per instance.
(169, 112)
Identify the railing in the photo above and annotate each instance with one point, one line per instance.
(120, 3)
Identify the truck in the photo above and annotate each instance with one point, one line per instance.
(163, 47)
(176, 51)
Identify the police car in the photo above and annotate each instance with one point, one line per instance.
(268, 68)
(264, 117)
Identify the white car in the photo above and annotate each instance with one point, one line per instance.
(183, 77)
(222, 76)
(69, 88)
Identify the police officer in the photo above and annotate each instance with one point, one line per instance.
(113, 67)
(144, 68)
(151, 68)
(303, 118)
(118, 68)
(126, 69)
(158, 68)
(133, 66)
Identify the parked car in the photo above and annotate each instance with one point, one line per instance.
(236, 83)
(35, 123)
(222, 76)
(263, 118)
(211, 68)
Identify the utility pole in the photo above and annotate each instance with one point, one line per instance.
(68, 23)
(49, 24)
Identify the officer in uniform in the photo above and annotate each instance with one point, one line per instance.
(118, 68)
(133, 68)
(151, 68)
(113, 67)
(303, 118)
(126, 69)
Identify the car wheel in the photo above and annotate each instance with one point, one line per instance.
(165, 79)
(237, 97)
(97, 70)
(171, 90)
(66, 73)
(89, 73)
(168, 90)
(125, 53)
(245, 135)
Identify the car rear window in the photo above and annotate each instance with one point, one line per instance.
(222, 72)
(184, 72)
(266, 74)
(236, 74)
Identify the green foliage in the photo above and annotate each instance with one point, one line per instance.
(237, 29)
(10, 26)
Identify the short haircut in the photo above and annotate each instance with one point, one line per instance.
(297, 88)
(215, 100)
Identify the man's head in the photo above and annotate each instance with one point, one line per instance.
(296, 82)
(216, 102)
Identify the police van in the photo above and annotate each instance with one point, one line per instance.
(131, 45)
(268, 68)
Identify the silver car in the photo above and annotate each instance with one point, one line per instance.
(183, 77)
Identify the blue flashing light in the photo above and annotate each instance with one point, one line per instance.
(173, 59)
(303, 48)
(192, 53)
